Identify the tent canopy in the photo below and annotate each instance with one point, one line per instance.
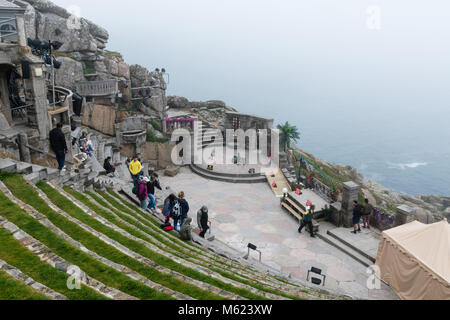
(429, 244)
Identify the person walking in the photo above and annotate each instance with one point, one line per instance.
(58, 145)
(307, 221)
(357, 213)
(368, 209)
(135, 168)
(202, 221)
(168, 207)
(153, 183)
(143, 193)
(184, 209)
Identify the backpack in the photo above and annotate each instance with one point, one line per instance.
(176, 211)
(168, 228)
(165, 225)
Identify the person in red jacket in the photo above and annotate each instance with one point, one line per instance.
(143, 193)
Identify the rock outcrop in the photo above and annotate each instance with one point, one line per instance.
(428, 208)
(84, 43)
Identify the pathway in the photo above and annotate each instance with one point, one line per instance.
(242, 213)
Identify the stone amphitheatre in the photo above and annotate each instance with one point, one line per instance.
(80, 234)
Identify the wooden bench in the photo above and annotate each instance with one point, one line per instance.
(297, 212)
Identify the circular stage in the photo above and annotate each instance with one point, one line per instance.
(242, 172)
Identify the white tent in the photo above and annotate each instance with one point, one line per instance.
(414, 260)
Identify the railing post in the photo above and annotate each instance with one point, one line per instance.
(349, 194)
(20, 26)
(405, 214)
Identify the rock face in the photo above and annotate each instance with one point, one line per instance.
(45, 20)
(155, 99)
(83, 44)
(71, 71)
(176, 102)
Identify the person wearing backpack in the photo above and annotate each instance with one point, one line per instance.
(168, 206)
(143, 194)
(307, 221)
(182, 208)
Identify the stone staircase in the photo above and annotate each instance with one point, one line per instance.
(362, 249)
(80, 177)
(120, 248)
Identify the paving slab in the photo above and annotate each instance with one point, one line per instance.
(252, 213)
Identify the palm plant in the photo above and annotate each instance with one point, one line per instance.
(287, 132)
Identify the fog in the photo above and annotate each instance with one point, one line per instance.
(360, 96)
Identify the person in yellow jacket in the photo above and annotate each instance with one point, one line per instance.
(135, 168)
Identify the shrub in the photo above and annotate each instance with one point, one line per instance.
(152, 138)
(89, 67)
(156, 125)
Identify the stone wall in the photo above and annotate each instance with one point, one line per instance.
(247, 121)
(158, 155)
(127, 150)
(99, 117)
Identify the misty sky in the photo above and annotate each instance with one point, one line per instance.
(259, 54)
(314, 63)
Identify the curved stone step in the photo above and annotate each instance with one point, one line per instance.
(132, 254)
(188, 264)
(216, 177)
(47, 223)
(39, 287)
(293, 285)
(208, 264)
(46, 255)
(126, 196)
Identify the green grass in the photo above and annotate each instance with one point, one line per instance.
(156, 125)
(155, 234)
(66, 250)
(94, 244)
(219, 271)
(13, 289)
(110, 54)
(152, 138)
(149, 230)
(16, 255)
(112, 197)
(160, 259)
(134, 211)
(155, 231)
(89, 67)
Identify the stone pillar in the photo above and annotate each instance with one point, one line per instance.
(349, 194)
(25, 155)
(404, 215)
(20, 25)
(36, 94)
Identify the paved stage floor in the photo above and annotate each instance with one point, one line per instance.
(243, 213)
